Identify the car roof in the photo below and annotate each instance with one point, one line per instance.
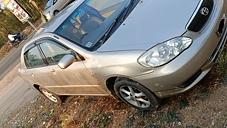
(56, 21)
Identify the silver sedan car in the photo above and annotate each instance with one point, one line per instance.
(136, 50)
(53, 7)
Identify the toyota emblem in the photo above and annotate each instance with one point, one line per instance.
(204, 11)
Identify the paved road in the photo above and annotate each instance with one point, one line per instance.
(12, 59)
(19, 92)
(16, 97)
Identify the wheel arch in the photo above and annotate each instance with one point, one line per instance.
(111, 81)
(110, 84)
(36, 87)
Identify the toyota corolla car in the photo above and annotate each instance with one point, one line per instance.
(136, 50)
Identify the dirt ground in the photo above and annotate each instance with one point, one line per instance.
(204, 106)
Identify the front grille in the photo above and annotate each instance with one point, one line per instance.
(202, 16)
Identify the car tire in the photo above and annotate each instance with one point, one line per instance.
(24, 37)
(51, 96)
(56, 12)
(136, 95)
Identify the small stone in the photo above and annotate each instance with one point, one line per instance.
(173, 124)
(40, 107)
(212, 123)
(179, 123)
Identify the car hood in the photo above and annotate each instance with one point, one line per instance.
(151, 22)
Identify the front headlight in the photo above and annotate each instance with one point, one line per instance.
(164, 52)
(48, 16)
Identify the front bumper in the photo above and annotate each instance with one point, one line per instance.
(192, 65)
(200, 74)
(179, 87)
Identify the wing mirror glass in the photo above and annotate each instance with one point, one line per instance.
(66, 61)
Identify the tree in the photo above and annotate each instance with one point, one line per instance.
(9, 23)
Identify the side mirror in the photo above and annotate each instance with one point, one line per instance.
(66, 61)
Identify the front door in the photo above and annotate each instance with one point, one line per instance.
(75, 80)
(39, 72)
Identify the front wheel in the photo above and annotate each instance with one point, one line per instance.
(136, 95)
(14, 44)
(56, 12)
(23, 37)
(51, 96)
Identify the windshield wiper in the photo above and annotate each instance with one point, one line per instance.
(111, 27)
(124, 12)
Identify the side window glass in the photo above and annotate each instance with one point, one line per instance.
(53, 53)
(48, 4)
(33, 59)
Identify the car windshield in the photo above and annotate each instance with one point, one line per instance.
(48, 4)
(89, 22)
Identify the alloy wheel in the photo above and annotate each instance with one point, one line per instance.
(134, 96)
(50, 95)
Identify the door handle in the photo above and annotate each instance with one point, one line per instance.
(53, 72)
(32, 74)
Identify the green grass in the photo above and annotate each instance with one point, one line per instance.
(184, 103)
(99, 119)
(131, 120)
(204, 94)
(166, 102)
(191, 126)
(142, 113)
(154, 126)
(221, 66)
(170, 116)
(221, 121)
